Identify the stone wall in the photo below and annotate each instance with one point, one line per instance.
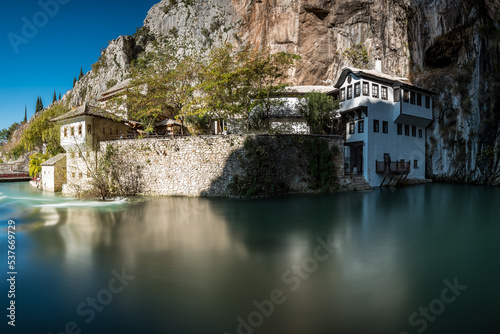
(206, 165)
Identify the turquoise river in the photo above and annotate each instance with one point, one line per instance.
(422, 259)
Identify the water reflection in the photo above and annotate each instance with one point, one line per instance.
(200, 263)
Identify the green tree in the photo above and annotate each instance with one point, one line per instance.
(59, 96)
(6, 134)
(39, 105)
(36, 161)
(320, 111)
(54, 98)
(25, 114)
(81, 74)
(357, 56)
(74, 82)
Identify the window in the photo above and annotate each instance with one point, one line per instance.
(415, 164)
(72, 132)
(357, 89)
(375, 90)
(361, 126)
(80, 175)
(419, 99)
(80, 130)
(420, 133)
(383, 93)
(89, 129)
(397, 95)
(342, 94)
(351, 128)
(400, 129)
(366, 88)
(349, 92)
(427, 102)
(65, 132)
(385, 127)
(407, 130)
(406, 96)
(413, 131)
(376, 125)
(412, 97)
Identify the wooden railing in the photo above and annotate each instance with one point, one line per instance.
(14, 175)
(396, 167)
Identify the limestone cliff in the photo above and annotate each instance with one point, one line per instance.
(448, 46)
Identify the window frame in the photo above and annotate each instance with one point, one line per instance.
(406, 96)
(352, 127)
(375, 90)
(400, 129)
(419, 99)
(385, 127)
(80, 131)
(65, 130)
(420, 133)
(357, 89)
(397, 94)
(376, 125)
(72, 131)
(407, 130)
(367, 86)
(342, 94)
(414, 131)
(412, 97)
(361, 126)
(415, 164)
(89, 129)
(349, 92)
(382, 95)
(427, 102)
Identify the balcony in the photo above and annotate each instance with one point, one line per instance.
(395, 167)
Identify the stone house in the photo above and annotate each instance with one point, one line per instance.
(53, 174)
(82, 129)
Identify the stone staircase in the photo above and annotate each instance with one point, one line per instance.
(360, 184)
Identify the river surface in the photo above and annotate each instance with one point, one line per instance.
(409, 260)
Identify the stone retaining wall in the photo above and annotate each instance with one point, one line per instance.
(205, 165)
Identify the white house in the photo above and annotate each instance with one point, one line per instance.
(54, 173)
(385, 116)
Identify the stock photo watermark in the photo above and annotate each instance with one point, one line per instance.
(292, 278)
(30, 27)
(436, 306)
(88, 308)
(11, 272)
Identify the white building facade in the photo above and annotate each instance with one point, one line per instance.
(385, 119)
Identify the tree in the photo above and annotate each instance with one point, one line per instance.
(357, 56)
(320, 111)
(59, 96)
(74, 82)
(25, 113)
(81, 74)
(39, 105)
(6, 134)
(36, 161)
(262, 78)
(54, 98)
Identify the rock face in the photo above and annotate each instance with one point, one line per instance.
(448, 46)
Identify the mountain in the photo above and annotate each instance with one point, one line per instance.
(448, 46)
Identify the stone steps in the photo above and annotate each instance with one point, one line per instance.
(360, 184)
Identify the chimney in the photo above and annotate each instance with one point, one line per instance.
(378, 65)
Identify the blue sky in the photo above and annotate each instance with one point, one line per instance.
(67, 35)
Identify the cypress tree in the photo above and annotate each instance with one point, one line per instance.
(59, 96)
(39, 105)
(74, 82)
(25, 113)
(54, 98)
(81, 74)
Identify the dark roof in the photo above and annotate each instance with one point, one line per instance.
(86, 110)
(52, 161)
(379, 77)
(119, 87)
